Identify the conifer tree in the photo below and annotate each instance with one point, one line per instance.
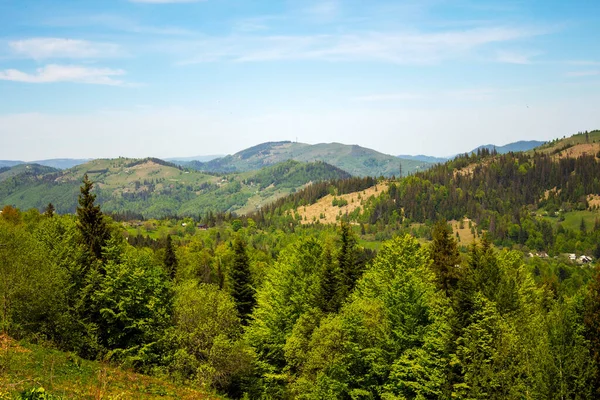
(582, 226)
(350, 269)
(242, 290)
(592, 325)
(329, 287)
(170, 258)
(49, 210)
(90, 220)
(444, 253)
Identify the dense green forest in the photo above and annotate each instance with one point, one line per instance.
(260, 313)
(153, 188)
(387, 303)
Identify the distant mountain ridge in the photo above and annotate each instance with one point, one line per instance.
(354, 159)
(521, 145)
(152, 187)
(60, 163)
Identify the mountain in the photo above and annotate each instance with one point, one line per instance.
(25, 170)
(60, 163)
(355, 160)
(154, 188)
(194, 158)
(424, 158)
(522, 145)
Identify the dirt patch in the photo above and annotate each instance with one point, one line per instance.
(464, 231)
(593, 200)
(326, 213)
(578, 150)
(6, 343)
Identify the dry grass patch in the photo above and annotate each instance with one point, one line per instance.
(464, 231)
(578, 150)
(326, 213)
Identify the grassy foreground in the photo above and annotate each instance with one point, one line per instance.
(51, 374)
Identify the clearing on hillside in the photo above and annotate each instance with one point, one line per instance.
(326, 213)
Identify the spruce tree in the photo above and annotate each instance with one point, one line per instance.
(329, 285)
(242, 290)
(90, 220)
(444, 253)
(349, 268)
(582, 226)
(49, 210)
(592, 325)
(170, 258)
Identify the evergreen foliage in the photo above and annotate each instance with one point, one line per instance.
(90, 220)
(242, 289)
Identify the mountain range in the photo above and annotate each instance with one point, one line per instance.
(522, 145)
(354, 159)
(242, 182)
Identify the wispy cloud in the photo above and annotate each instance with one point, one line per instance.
(115, 23)
(47, 48)
(324, 9)
(66, 73)
(575, 74)
(165, 1)
(583, 62)
(400, 48)
(515, 57)
(475, 94)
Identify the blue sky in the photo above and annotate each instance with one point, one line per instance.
(171, 78)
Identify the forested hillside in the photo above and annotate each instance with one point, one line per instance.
(353, 159)
(155, 188)
(382, 302)
(252, 313)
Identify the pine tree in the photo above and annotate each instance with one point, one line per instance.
(592, 324)
(347, 263)
(242, 289)
(329, 287)
(444, 253)
(582, 226)
(90, 220)
(49, 210)
(170, 258)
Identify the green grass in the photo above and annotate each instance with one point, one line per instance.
(62, 375)
(573, 219)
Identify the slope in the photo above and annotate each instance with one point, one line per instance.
(355, 160)
(156, 188)
(28, 368)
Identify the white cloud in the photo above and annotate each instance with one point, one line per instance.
(575, 74)
(475, 94)
(66, 73)
(45, 48)
(399, 48)
(165, 1)
(514, 57)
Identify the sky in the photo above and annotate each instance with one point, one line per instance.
(176, 78)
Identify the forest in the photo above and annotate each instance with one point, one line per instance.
(257, 308)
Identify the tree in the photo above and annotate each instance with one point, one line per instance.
(242, 289)
(349, 268)
(592, 324)
(446, 259)
(582, 226)
(329, 296)
(49, 210)
(11, 214)
(170, 258)
(90, 220)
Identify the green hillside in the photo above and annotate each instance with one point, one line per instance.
(29, 370)
(355, 160)
(30, 170)
(155, 188)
